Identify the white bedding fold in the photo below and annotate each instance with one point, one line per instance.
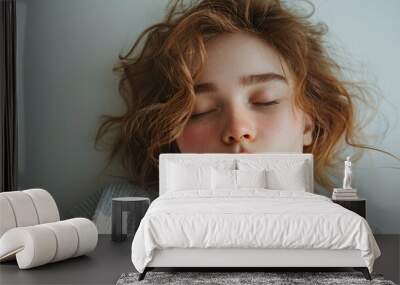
(251, 218)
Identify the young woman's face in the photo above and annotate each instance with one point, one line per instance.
(244, 101)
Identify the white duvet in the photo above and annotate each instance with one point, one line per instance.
(251, 218)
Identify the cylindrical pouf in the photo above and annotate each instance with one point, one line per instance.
(127, 212)
(40, 244)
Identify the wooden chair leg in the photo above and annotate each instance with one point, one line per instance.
(364, 271)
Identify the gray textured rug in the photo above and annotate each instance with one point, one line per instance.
(230, 278)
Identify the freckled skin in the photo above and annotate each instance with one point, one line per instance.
(232, 117)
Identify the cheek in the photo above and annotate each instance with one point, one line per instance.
(292, 130)
(275, 121)
(268, 125)
(195, 137)
(281, 130)
(290, 122)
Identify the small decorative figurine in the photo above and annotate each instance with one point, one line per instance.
(347, 174)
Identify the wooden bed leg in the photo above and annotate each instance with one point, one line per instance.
(143, 274)
(364, 271)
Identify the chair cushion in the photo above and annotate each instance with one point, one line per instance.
(26, 208)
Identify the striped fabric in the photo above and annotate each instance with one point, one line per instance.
(86, 208)
(97, 207)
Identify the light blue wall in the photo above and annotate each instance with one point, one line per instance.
(366, 35)
(66, 50)
(67, 54)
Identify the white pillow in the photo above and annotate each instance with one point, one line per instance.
(251, 178)
(229, 179)
(181, 177)
(282, 174)
(294, 178)
(223, 179)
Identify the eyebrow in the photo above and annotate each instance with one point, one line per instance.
(243, 81)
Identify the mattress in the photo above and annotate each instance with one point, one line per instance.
(250, 219)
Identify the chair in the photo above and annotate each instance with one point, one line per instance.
(31, 231)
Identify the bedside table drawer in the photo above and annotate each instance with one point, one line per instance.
(357, 206)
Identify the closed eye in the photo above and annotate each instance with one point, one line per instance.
(269, 103)
(198, 115)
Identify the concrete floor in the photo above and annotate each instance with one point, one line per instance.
(110, 260)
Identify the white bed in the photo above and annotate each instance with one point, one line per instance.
(248, 226)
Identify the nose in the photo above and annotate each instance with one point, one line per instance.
(238, 129)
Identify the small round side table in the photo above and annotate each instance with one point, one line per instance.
(127, 212)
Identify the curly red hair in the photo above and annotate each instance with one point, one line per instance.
(159, 71)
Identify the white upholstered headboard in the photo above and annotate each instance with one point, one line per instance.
(224, 158)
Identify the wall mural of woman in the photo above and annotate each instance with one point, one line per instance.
(226, 76)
